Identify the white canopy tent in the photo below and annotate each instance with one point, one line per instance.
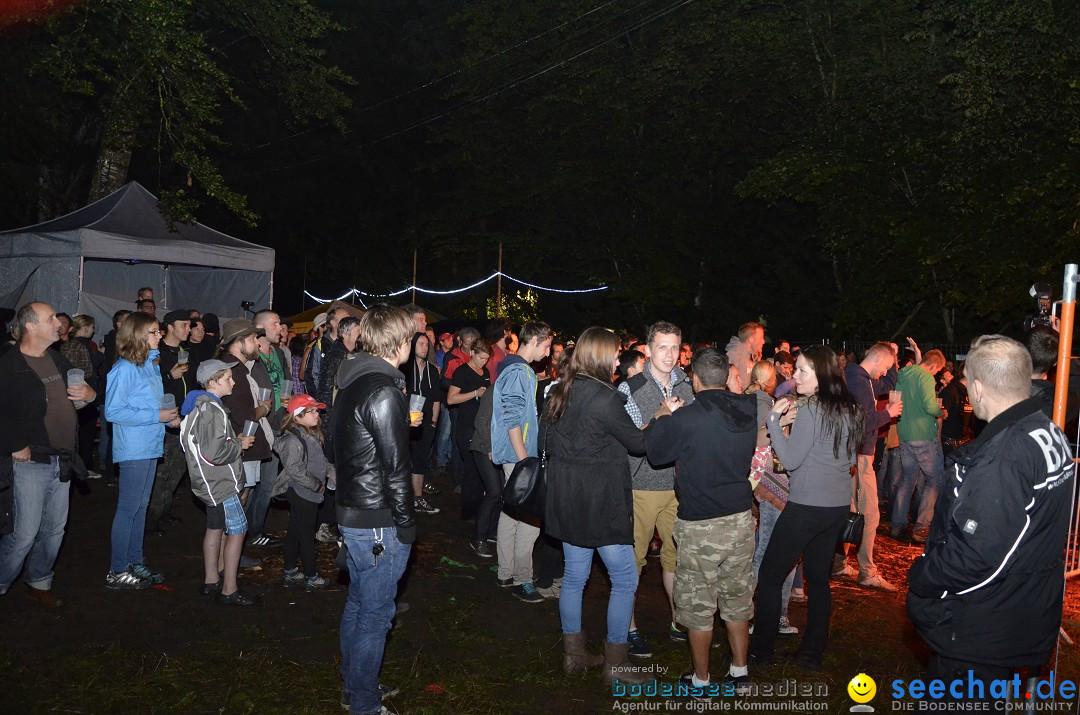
(95, 259)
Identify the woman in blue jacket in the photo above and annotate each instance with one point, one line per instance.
(133, 397)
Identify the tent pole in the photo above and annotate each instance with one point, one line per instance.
(1068, 308)
(498, 289)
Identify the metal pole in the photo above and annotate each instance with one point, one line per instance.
(414, 276)
(1065, 338)
(498, 289)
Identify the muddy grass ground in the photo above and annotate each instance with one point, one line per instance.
(465, 646)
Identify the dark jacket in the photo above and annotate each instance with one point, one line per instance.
(241, 405)
(712, 444)
(333, 358)
(371, 448)
(179, 387)
(989, 587)
(866, 392)
(22, 421)
(590, 501)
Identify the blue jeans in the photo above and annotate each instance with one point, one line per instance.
(136, 483)
(442, 439)
(768, 516)
(920, 463)
(40, 515)
(369, 611)
(622, 569)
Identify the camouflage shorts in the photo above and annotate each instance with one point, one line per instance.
(714, 570)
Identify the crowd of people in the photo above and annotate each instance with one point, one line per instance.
(738, 467)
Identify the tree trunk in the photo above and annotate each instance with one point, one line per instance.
(113, 161)
(908, 319)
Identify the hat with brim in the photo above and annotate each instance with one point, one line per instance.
(239, 328)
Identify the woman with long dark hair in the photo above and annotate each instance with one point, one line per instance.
(818, 456)
(422, 379)
(587, 435)
(133, 404)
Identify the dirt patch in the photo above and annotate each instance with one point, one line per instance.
(465, 645)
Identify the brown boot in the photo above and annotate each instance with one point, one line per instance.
(575, 658)
(44, 597)
(617, 665)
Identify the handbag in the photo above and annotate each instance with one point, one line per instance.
(525, 490)
(852, 531)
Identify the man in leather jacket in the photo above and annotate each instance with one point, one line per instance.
(987, 594)
(374, 496)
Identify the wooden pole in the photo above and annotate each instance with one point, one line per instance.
(1065, 338)
(498, 289)
(414, 276)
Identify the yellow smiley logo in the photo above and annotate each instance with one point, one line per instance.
(862, 688)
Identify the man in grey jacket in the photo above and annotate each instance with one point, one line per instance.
(655, 505)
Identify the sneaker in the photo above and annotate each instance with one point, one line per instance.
(481, 549)
(292, 577)
(422, 506)
(655, 546)
(237, 598)
(677, 634)
(876, 581)
(848, 571)
(741, 683)
(505, 582)
(326, 534)
(401, 607)
(785, 627)
(798, 595)
(491, 540)
(900, 535)
(526, 592)
(637, 643)
(697, 692)
(91, 474)
(314, 583)
(264, 542)
(551, 592)
(388, 691)
(431, 489)
(246, 562)
(146, 574)
(125, 581)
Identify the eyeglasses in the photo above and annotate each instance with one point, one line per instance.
(153, 332)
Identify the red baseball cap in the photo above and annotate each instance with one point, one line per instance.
(444, 336)
(302, 402)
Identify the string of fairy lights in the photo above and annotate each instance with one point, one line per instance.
(360, 295)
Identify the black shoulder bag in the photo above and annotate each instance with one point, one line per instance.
(525, 490)
(852, 531)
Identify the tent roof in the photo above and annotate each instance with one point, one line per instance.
(128, 225)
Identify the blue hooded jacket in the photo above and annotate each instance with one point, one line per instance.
(514, 406)
(133, 403)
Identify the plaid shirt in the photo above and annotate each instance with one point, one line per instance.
(631, 406)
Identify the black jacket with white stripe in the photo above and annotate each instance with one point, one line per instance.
(989, 587)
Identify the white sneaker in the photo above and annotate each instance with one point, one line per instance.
(876, 581)
(848, 571)
(786, 627)
(325, 535)
(91, 474)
